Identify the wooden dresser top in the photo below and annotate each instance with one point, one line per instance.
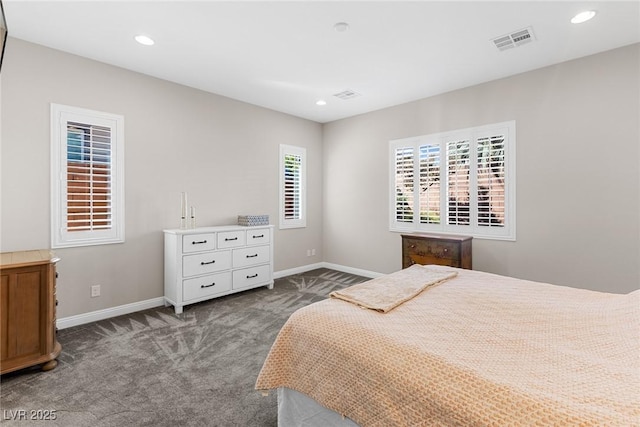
(451, 237)
(26, 258)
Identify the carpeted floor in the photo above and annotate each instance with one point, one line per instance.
(153, 368)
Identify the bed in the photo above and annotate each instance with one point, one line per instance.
(471, 349)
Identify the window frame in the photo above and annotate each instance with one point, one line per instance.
(301, 220)
(61, 237)
(473, 135)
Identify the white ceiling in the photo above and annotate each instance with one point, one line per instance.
(287, 55)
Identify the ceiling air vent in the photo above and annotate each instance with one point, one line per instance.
(515, 39)
(347, 94)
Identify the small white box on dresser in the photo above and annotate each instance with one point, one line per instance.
(209, 262)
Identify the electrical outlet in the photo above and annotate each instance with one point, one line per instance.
(308, 252)
(313, 252)
(95, 291)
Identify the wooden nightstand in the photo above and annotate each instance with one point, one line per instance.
(454, 251)
(28, 310)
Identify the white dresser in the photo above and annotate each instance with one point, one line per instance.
(209, 262)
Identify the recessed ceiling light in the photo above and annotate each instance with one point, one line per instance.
(145, 40)
(341, 27)
(583, 17)
(321, 102)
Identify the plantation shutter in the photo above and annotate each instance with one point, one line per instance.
(458, 182)
(491, 173)
(404, 184)
(430, 184)
(87, 177)
(293, 198)
(458, 185)
(292, 186)
(89, 191)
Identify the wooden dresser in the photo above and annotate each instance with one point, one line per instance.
(28, 310)
(440, 249)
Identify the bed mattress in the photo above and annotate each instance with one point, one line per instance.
(478, 349)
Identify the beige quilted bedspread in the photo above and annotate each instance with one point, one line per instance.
(477, 350)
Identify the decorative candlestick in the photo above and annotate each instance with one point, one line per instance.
(183, 212)
(193, 217)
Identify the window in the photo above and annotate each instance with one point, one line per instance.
(87, 179)
(460, 182)
(293, 187)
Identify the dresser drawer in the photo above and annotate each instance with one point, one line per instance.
(204, 286)
(198, 242)
(197, 264)
(258, 236)
(250, 256)
(231, 239)
(433, 248)
(248, 277)
(429, 259)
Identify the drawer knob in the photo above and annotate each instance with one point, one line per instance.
(208, 286)
(252, 256)
(199, 243)
(210, 262)
(253, 276)
(226, 239)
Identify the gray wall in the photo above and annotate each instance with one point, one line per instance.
(224, 153)
(578, 179)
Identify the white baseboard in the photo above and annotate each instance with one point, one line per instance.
(94, 316)
(351, 270)
(297, 270)
(337, 267)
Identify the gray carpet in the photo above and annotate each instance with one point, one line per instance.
(153, 368)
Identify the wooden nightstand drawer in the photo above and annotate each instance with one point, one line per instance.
(432, 248)
(454, 251)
